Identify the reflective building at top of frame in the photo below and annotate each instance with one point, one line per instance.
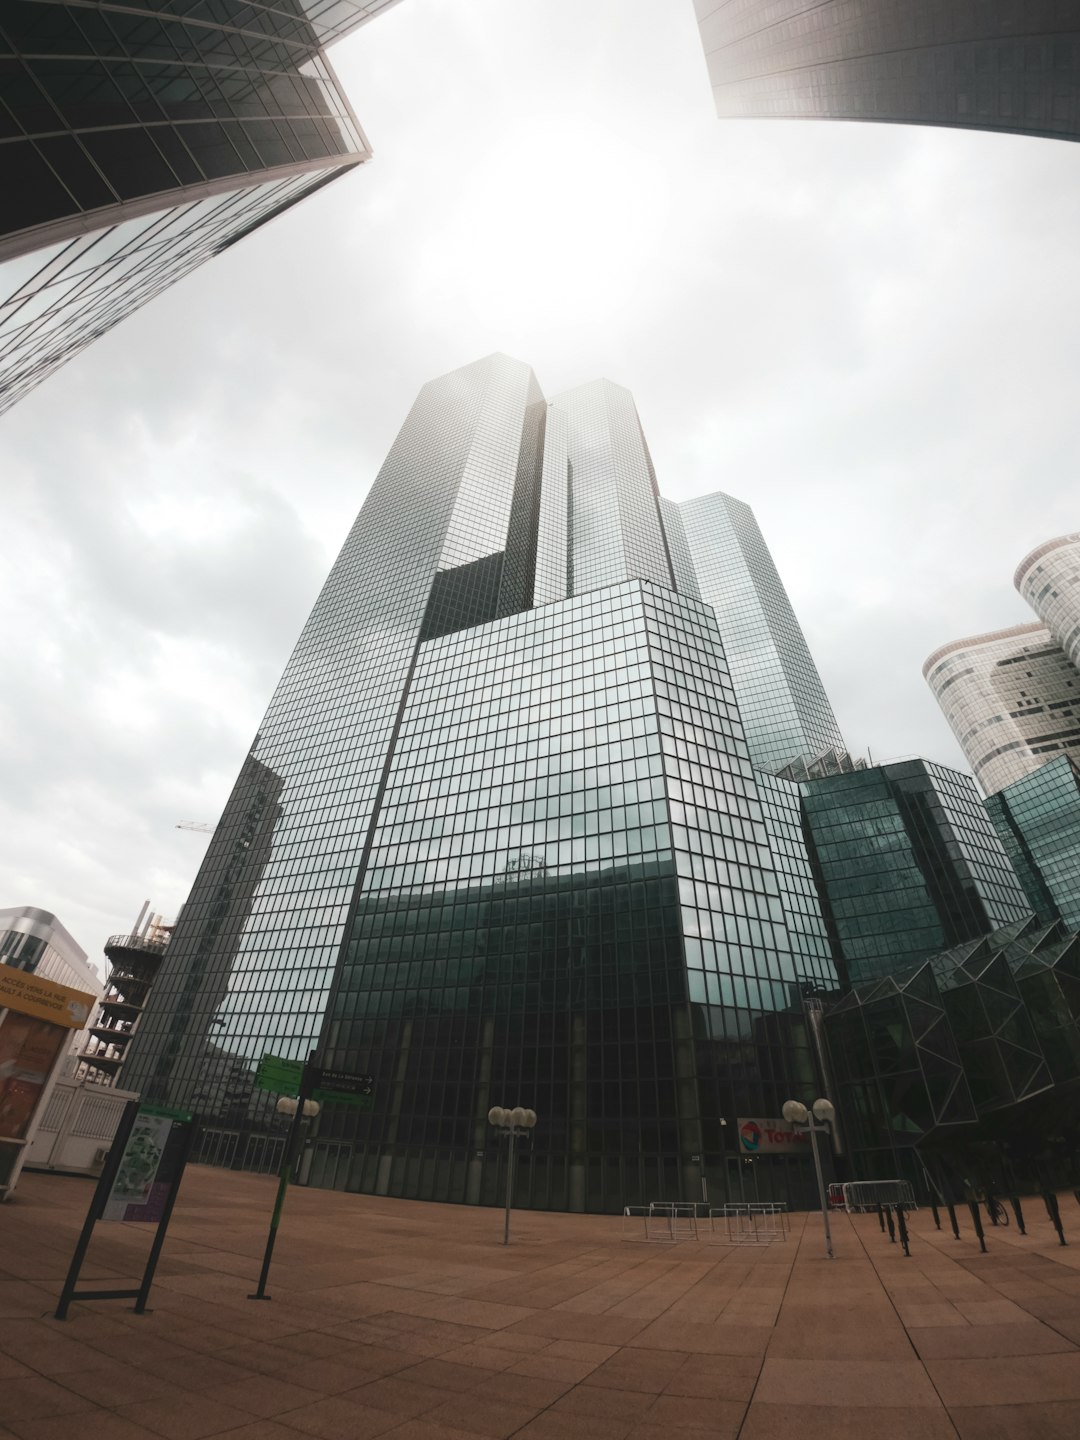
(501, 827)
(137, 141)
(994, 65)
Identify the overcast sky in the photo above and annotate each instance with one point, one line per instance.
(866, 332)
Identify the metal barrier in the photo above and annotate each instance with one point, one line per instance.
(663, 1222)
(757, 1223)
(862, 1195)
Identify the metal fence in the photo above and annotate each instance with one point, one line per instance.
(667, 1222)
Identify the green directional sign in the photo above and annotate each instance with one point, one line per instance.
(281, 1077)
(337, 1097)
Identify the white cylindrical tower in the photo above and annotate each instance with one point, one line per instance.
(1012, 699)
(1049, 580)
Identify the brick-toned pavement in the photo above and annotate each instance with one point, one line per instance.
(411, 1321)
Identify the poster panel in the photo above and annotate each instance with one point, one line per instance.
(764, 1136)
(149, 1167)
(28, 1048)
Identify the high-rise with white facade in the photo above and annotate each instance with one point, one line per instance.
(499, 838)
(1049, 580)
(1012, 699)
(785, 711)
(137, 141)
(978, 64)
(34, 940)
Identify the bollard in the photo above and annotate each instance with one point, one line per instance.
(974, 1206)
(881, 1217)
(953, 1220)
(1050, 1200)
(934, 1212)
(892, 1227)
(902, 1222)
(1014, 1201)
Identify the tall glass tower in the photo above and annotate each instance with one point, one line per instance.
(499, 839)
(785, 711)
(991, 65)
(138, 141)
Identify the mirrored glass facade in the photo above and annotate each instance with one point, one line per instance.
(255, 975)
(991, 65)
(784, 707)
(907, 865)
(137, 141)
(1038, 820)
(500, 827)
(615, 527)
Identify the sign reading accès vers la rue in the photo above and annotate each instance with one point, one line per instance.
(30, 994)
(770, 1137)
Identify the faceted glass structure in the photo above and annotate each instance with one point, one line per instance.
(1038, 820)
(994, 65)
(784, 707)
(499, 840)
(137, 141)
(973, 1057)
(907, 864)
(899, 1072)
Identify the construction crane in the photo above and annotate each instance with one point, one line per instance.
(195, 825)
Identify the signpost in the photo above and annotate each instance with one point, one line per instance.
(140, 1182)
(338, 1087)
(304, 1083)
(281, 1077)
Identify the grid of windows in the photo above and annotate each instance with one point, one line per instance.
(1038, 820)
(615, 529)
(783, 703)
(569, 811)
(136, 142)
(994, 65)
(1049, 580)
(781, 807)
(56, 301)
(1011, 697)
(553, 579)
(511, 854)
(248, 974)
(907, 864)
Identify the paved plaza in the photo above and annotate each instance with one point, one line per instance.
(411, 1321)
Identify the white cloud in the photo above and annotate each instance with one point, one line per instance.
(861, 330)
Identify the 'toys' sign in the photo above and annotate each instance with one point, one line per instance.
(750, 1134)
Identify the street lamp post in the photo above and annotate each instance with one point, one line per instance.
(822, 1111)
(511, 1123)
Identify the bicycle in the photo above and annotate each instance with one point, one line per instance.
(995, 1208)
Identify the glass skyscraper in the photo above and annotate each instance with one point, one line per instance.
(907, 865)
(990, 65)
(138, 141)
(785, 711)
(1038, 820)
(499, 839)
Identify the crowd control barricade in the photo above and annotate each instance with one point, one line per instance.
(863, 1195)
(763, 1222)
(663, 1222)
